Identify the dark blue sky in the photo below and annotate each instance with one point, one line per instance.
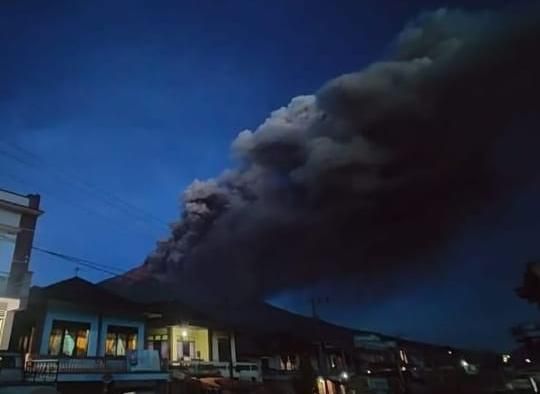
(138, 98)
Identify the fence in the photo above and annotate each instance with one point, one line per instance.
(41, 371)
(47, 369)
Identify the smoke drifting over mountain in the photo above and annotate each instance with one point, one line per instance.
(379, 167)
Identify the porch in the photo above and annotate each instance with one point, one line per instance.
(247, 371)
(142, 367)
(197, 351)
(187, 344)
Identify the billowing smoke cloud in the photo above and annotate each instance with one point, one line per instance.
(378, 168)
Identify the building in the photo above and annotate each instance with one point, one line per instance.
(18, 217)
(79, 333)
(82, 332)
(196, 345)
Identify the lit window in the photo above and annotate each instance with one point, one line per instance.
(159, 343)
(186, 350)
(119, 340)
(69, 339)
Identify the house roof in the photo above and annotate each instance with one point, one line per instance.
(263, 320)
(81, 292)
(255, 320)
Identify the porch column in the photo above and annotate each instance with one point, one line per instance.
(172, 344)
(215, 347)
(5, 333)
(233, 347)
(210, 345)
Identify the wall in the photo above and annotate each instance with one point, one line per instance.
(197, 334)
(55, 313)
(111, 321)
(9, 222)
(16, 212)
(9, 219)
(94, 348)
(200, 336)
(215, 347)
(274, 362)
(14, 198)
(8, 307)
(19, 274)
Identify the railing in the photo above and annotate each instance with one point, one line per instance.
(43, 368)
(203, 368)
(241, 370)
(41, 371)
(92, 365)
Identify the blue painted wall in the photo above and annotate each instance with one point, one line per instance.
(116, 321)
(73, 315)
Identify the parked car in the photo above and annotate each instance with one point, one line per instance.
(521, 384)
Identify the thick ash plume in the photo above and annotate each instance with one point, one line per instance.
(379, 167)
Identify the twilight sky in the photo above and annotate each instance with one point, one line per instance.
(108, 105)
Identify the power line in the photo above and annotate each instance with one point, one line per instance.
(85, 263)
(79, 181)
(73, 203)
(108, 269)
(106, 196)
(88, 263)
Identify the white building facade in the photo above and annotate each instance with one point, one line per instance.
(18, 217)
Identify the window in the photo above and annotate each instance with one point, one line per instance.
(7, 248)
(186, 350)
(120, 340)
(159, 343)
(69, 339)
(224, 349)
(3, 308)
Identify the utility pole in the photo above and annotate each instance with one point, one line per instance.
(227, 308)
(316, 301)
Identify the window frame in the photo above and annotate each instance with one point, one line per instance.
(69, 325)
(130, 332)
